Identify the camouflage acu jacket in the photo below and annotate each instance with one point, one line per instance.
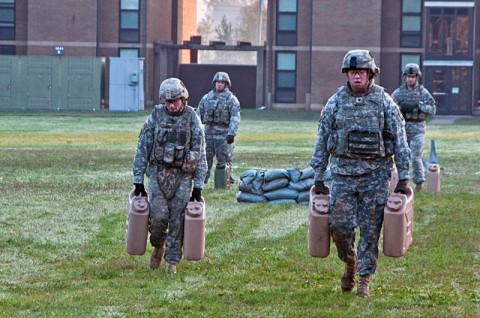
(220, 112)
(151, 143)
(392, 127)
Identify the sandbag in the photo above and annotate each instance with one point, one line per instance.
(307, 173)
(283, 193)
(245, 187)
(251, 181)
(257, 183)
(248, 175)
(301, 185)
(250, 198)
(283, 201)
(303, 197)
(275, 184)
(294, 174)
(275, 174)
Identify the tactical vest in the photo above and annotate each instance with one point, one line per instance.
(172, 137)
(415, 94)
(359, 131)
(217, 111)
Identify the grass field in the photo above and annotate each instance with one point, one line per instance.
(64, 181)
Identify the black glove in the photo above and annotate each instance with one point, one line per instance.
(320, 188)
(140, 190)
(401, 187)
(408, 105)
(196, 194)
(230, 139)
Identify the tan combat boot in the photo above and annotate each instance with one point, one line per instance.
(156, 258)
(171, 268)
(419, 187)
(362, 289)
(348, 278)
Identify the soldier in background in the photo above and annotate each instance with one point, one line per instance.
(171, 152)
(219, 110)
(360, 131)
(416, 104)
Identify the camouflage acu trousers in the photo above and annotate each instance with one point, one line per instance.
(167, 210)
(416, 143)
(358, 201)
(217, 146)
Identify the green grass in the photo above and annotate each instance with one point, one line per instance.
(64, 181)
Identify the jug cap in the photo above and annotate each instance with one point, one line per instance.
(394, 203)
(320, 204)
(140, 204)
(194, 209)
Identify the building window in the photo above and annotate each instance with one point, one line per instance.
(449, 32)
(285, 77)
(408, 58)
(287, 22)
(7, 50)
(128, 53)
(130, 21)
(411, 35)
(7, 19)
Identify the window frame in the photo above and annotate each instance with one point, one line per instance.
(128, 34)
(286, 37)
(8, 50)
(7, 27)
(444, 14)
(411, 38)
(285, 94)
(124, 49)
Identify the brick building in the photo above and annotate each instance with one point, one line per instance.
(101, 28)
(307, 39)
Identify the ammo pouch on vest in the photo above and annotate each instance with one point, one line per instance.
(173, 155)
(224, 117)
(190, 161)
(364, 143)
(218, 115)
(210, 116)
(416, 115)
(172, 144)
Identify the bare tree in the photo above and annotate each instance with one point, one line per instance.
(243, 28)
(225, 31)
(248, 28)
(205, 27)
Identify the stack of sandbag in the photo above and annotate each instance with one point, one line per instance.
(276, 186)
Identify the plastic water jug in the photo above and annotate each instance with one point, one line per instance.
(194, 231)
(318, 235)
(433, 178)
(136, 232)
(222, 176)
(398, 224)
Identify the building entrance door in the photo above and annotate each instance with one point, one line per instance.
(451, 87)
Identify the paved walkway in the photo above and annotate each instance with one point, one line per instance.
(445, 119)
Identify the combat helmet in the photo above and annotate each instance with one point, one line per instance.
(171, 89)
(359, 59)
(412, 68)
(222, 76)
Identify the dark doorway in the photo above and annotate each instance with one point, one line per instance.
(198, 80)
(451, 87)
